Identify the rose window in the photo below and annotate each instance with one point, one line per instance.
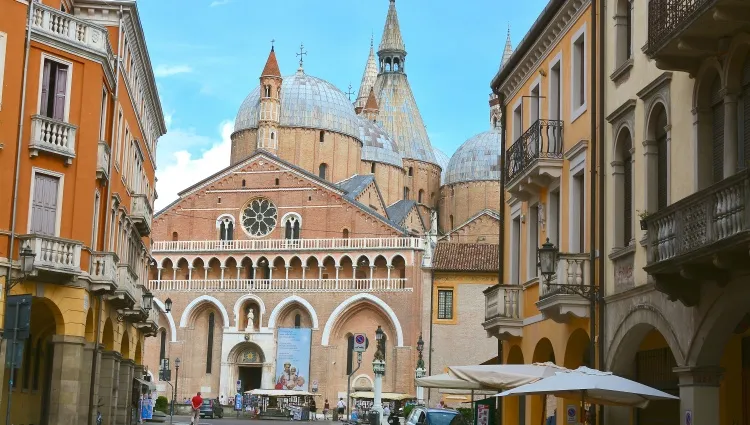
(259, 217)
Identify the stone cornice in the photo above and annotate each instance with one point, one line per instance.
(655, 85)
(621, 110)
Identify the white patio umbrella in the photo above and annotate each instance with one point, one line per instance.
(446, 381)
(504, 376)
(592, 386)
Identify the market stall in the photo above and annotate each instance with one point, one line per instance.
(362, 402)
(281, 404)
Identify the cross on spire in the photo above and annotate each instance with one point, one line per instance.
(301, 54)
(350, 92)
(273, 40)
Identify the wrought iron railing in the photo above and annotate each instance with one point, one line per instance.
(542, 140)
(701, 219)
(668, 17)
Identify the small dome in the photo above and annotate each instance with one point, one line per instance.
(476, 160)
(307, 102)
(377, 145)
(442, 160)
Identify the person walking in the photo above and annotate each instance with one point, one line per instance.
(340, 407)
(196, 403)
(313, 410)
(326, 409)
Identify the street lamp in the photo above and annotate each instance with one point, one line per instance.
(26, 257)
(420, 372)
(378, 368)
(177, 362)
(168, 305)
(148, 300)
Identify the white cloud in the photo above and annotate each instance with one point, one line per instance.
(179, 169)
(169, 70)
(220, 2)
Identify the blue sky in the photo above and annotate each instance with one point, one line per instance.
(208, 54)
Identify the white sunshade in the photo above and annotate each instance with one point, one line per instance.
(446, 381)
(280, 393)
(595, 387)
(504, 376)
(384, 396)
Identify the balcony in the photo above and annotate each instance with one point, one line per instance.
(57, 260)
(52, 136)
(141, 214)
(126, 289)
(103, 272)
(150, 324)
(281, 285)
(275, 245)
(64, 30)
(703, 237)
(102, 161)
(681, 32)
(135, 313)
(503, 311)
(559, 304)
(535, 159)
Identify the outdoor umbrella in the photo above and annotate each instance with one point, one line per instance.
(504, 376)
(592, 386)
(447, 381)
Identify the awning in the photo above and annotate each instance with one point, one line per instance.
(447, 381)
(384, 396)
(280, 393)
(151, 386)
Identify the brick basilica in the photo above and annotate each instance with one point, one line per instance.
(328, 218)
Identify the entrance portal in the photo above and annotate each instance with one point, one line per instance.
(250, 376)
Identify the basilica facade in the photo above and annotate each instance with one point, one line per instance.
(325, 224)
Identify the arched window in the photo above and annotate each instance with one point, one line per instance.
(297, 321)
(210, 343)
(322, 171)
(406, 192)
(322, 136)
(163, 345)
(291, 227)
(622, 173)
(243, 182)
(267, 90)
(350, 355)
(744, 139)
(662, 157)
(372, 168)
(226, 228)
(411, 171)
(345, 234)
(174, 236)
(420, 194)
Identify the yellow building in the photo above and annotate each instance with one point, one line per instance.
(79, 120)
(544, 93)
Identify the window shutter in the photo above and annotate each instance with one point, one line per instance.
(717, 113)
(61, 84)
(44, 205)
(44, 100)
(627, 201)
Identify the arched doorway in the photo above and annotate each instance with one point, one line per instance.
(246, 364)
(543, 353)
(514, 408)
(577, 354)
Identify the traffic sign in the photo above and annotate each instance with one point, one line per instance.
(239, 386)
(360, 343)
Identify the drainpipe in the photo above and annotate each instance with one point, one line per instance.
(501, 234)
(432, 327)
(107, 215)
(594, 113)
(602, 191)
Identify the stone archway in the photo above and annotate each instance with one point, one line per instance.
(247, 363)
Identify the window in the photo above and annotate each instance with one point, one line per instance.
(297, 321)
(518, 121)
(226, 229)
(372, 168)
(163, 346)
(345, 234)
(291, 227)
(54, 98)
(118, 139)
(578, 74)
(174, 236)
(532, 222)
(350, 355)
(103, 115)
(322, 171)
(662, 157)
(406, 192)
(578, 213)
(555, 91)
(534, 105)
(45, 206)
(267, 91)
(420, 194)
(277, 182)
(3, 48)
(623, 32)
(717, 131)
(243, 183)
(627, 163)
(210, 343)
(218, 201)
(515, 248)
(95, 227)
(451, 220)
(322, 136)
(445, 304)
(411, 171)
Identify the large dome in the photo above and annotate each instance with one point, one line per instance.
(476, 160)
(377, 144)
(307, 102)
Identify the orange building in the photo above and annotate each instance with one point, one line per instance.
(79, 121)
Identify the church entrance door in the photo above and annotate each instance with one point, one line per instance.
(251, 376)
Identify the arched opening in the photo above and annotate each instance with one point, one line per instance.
(411, 171)
(125, 346)
(183, 269)
(323, 171)
(372, 168)
(514, 408)
(250, 315)
(622, 173)
(658, 170)
(322, 136)
(346, 270)
(396, 65)
(199, 269)
(243, 183)
(543, 352)
(231, 269)
(312, 270)
(295, 268)
(406, 193)
(167, 270)
(214, 269)
(362, 272)
(247, 360)
(262, 269)
(420, 194)
(294, 315)
(345, 234)
(90, 331)
(108, 335)
(399, 267)
(226, 229)
(276, 182)
(138, 355)
(174, 236)
(387, 64)
(292, 227)
(279, 268)
(329, 268)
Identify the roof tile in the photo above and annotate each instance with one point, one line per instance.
(473, 257)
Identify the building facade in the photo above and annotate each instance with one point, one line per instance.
(80, 120)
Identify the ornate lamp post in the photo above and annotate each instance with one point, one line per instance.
(168, 305)
(420, 372)
(177, 362)
(378, 368)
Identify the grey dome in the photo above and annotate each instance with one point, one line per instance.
(377, 145)
(442, 160)
(476, 160)
(307, 102)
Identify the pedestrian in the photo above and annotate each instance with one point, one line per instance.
(196, 404)
(387, 411)
(313, 410)
(326, 409)
(340, 406)
(441, 405)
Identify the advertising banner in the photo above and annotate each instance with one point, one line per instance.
(293, 359)
(147, 408)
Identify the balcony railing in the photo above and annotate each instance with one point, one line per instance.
(543, 140)
(572, 269)
(666, 18)
(281, 285)
(102, 161)
(52, 136)
(503, 302)
(67, 28)
(288, 245)
(141, 213)
(704, 223)
(55, 255)
(127, 290)
(103, 270)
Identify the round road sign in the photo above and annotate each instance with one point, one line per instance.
(360, 339)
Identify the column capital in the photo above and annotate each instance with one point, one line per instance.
(699, 376)
(68, 339)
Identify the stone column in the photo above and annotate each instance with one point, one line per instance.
(651, 160)
(304, 270)
(222, 273)
(65, 387)
(85, 382)
(109, 377)
(158, 273)
(190, 273)
(124, 393)
(699, 393)
(730, 134)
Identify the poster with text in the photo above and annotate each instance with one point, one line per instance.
(293, 359)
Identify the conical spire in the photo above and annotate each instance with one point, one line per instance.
(272, 66)
(508, 49)
(392, 40)
(368, 78)
(372, 103)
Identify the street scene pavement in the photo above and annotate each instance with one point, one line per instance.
(228, 420)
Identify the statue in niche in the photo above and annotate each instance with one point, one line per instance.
(250, 320)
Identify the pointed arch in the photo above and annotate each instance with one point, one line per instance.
(289, 300)
(170, 319)
(353, 300)
(204, 298)
(241, 300)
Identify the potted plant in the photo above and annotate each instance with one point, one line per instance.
(643, 215)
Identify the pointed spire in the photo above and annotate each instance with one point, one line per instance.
(372, 103)
(368, 78)
(508, 49)
(392, 40)
(272, 66)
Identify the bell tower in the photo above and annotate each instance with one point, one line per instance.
(392, 50)
(270, 105)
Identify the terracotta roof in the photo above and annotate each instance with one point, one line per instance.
(372, 103)
(473, 257)
(272, 66)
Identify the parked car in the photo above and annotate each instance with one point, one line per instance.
(427, 416)
(212, 409)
